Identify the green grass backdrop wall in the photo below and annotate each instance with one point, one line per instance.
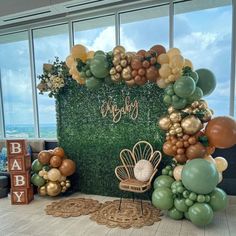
(93, 142)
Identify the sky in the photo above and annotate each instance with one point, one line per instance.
(202, 36)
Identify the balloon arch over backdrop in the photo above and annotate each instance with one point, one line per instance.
(187, 186)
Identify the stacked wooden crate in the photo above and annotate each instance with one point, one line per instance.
(19, 164)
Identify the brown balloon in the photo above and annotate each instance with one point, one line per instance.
(210, 150)
(44, 157)
(181, 158)
(58, 151)
(159, 49)
(55, 161)
(67, 167)
(221, 132)
(168, 149)
(195, 151)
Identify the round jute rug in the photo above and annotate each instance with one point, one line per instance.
(129, 216)
(72, 207)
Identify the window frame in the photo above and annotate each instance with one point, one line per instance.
(96, 14)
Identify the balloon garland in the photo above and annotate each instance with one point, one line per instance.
(187, 187)
(50, 171)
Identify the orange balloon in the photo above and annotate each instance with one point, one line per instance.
(55, 161)
(79, 51)
(44, 157)
(168, 149)
(221, 132)
(58, 151)
(67, 167)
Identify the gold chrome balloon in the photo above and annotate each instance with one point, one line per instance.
(191, 124)
(195, 104)
(207, 115)
(203, 104)
(188, 110)
(175, 117)
(164, 122)
(42, 191)
(171, 109)
(53, 188)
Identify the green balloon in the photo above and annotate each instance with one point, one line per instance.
(37, 180)
(193, 196)
(194, 76)
(200, 176)
(99, 52)
(218, 200)
(46, 167)
(200, 214)
(93, 83)
(174, 214)
(180, 204)
(162, 198)
(188, 202)
(163, 181)
(186, 215)
(167, 99)
(206, 81)
(197, 95)
(184, 87)
(180, 104)
(99, 66)
(36, 166)
(201, 198)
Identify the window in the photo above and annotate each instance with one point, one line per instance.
(203, 33)
(16, 85)
(48, 43)
(96, 34)
(141, 29)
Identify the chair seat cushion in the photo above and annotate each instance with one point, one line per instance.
(134, 185)
(143, 170)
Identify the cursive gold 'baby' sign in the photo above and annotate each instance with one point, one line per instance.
(130, 108)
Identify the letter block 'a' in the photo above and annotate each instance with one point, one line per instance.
(21, 196)
(19, 163)
(16, 147)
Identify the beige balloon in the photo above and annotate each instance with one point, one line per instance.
(220, 177)
(210, 159)
(161, 83)
(172, 52)
(163, 59)
(165, 70)
(53, 188)
(221, 164)
(54, 174)
(177, 172)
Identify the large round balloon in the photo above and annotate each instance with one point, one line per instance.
(163, 181)
(200, 214)
(218, 200)
(79, 51)
(162, 198)
(221, 132)
(184, 87)
(206, 81)
(36, 166)
(55, 161)
(67, 167)
(200, 176)
(37, 180)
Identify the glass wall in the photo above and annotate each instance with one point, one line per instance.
(202, 30)
(16, 85)
(97, 33)
(48, 43)
(141, 29)
(203, 33)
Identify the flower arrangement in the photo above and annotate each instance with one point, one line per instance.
(53, 78)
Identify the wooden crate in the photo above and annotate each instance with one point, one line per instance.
(20, 196)
(20, 179)
(20, 163)
(16, 147)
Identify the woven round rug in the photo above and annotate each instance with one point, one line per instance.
(130, 214)
(72, 207)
